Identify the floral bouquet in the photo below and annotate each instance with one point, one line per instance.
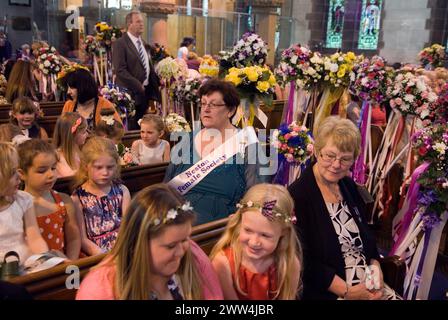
(338, 67)
(253, 82)
(123, 102)
(295, 147)
(370, 80)
(176, 123)
(186, 91)
(126, 157)
(66, 69)
(169, 69)
(410, 95)
(294, 143)
(300, 65)
(48, 61)
(440, 114)
(106, 34)
(91, 45)
(250, 50)
(433, 55)
(209, 67)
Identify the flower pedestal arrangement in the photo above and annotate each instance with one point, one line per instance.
(295, 147)
(50, 65)
(418, 227)
(122, 101)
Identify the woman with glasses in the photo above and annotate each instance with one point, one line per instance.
(216, 195)
(339, 250)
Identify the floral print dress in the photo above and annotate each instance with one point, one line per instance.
(102, 215)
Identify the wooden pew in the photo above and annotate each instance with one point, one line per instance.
(48, 123)
(52, 108)
(130, 136)
(135, 178)
(50, 284)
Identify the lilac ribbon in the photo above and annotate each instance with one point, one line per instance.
(360, 167)
(403, 226)
(418, 275)
(290, 111)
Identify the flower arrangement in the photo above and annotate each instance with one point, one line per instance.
(91, 45)
(126, 157)
(294, 143)
(66, 69)
(48, 61)
(410, 95)
(169, 69)
(176, 123)
(253, 82)
(433, 55)
(432, 146)
(106, 34)
(187, 90)
(370, 80)
(440, 114)
(123, 102)
(337, 69)
(209, 67)
(250, 50)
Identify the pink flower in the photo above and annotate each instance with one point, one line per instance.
(398, 101)
(296, 129)
(287, 136)
(284, 147)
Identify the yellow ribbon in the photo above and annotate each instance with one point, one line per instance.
(327, 102)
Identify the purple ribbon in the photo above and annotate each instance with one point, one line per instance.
(290, 111)
(359, 172)
(412, 197)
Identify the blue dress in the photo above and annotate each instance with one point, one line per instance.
(102, 215)
(215, 197)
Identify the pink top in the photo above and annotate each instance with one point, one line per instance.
(98, 284)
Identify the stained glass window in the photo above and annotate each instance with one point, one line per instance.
(369, 27)
(335, 23)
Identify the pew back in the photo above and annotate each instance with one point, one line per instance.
(51, 284)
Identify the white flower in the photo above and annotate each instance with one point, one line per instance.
(108, 119)
(334, 67)
(156, 222)
(172, 214)
(409, 98)
(440, 147)
(187, 206)
(47, 63)
(250, 204)
(294, 59)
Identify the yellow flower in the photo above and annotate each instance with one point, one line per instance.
(341, 72)
(251, 73)
(263, 86)
(272, 80)
(234, 78)
(351, 56)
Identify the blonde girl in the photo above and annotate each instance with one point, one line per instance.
(99, 198)
(24, 114)
(18, 226)
(151, 148)
(55, 211)
(259, 255)
(154, 257)
(70, 134)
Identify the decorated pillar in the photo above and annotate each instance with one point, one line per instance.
(266, 19)
(157, 13)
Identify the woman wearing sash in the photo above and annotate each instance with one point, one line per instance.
(220, 188)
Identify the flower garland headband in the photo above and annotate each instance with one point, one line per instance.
(172, 214)
(76, 125)
(269, 211)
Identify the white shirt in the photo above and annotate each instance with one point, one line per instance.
(145, 53)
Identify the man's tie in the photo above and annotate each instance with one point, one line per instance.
(142, 56)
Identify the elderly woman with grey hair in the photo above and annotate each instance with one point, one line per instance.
(339, 250)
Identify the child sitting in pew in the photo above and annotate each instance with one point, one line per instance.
(259, 255)
(151, 148)
(12, 133)
(55, 211)
(70, 134)
(108, 127)
(23, 114)
(19, 231)
(100, 200)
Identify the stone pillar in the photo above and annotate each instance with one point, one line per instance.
(266, 19)
(157, 13)
(301, 11)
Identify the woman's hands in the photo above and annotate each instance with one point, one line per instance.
(360, 292)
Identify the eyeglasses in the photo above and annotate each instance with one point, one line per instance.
(330, 158)
(211, 105)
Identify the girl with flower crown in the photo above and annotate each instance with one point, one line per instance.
(154, 257)
(259, 255)
(100, 200)
(69, 136)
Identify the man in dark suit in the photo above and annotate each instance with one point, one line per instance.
(133, 68)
